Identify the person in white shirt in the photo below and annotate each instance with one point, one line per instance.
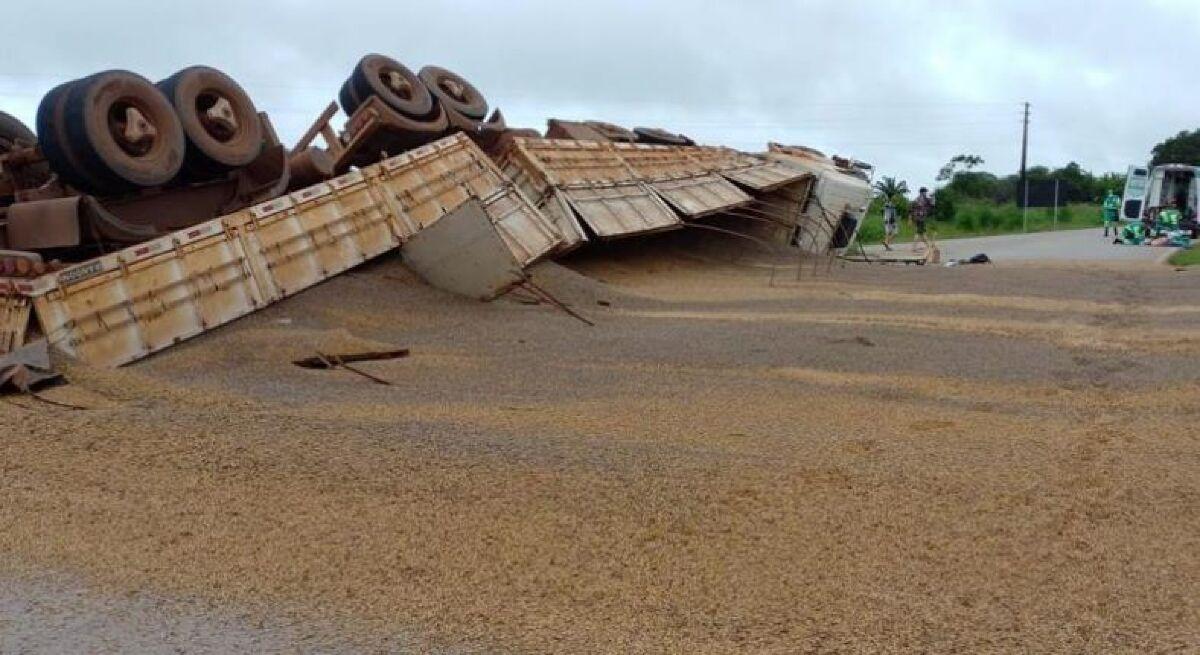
(891, 223)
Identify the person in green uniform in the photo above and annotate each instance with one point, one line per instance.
(1112, 206)
(1132, 233)
(1168, 219)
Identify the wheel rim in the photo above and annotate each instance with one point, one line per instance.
(132, 131)
(453, 89)
(397, 83)
(217, 116)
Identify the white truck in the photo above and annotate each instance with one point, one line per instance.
(1148, 190)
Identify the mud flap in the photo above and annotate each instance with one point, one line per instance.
(70, 222)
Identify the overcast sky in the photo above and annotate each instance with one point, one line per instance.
(902, 84)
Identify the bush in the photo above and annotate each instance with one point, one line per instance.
(965, 221)
(975, 184)
(944, 205)
(1065, 215)
(1014, 221)
(871, 231)
(988, 220)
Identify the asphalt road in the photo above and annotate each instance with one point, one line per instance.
(1066, 245)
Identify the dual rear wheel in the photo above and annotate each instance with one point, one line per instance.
(418, 96)
(116, 132)
(392, 82)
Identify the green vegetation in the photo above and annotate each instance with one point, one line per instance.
(1183, 148)
(978, 203)
(972, 217)
(1189, 257)
(1076, 185)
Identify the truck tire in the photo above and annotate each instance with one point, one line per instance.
(454, 92)
(52, 137)
(392, 82)
(14, 133)
(95, 114)
(220, 123)
(348, 98)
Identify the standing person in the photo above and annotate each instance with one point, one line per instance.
(919, 212)
(890, 223)
(1112, 205)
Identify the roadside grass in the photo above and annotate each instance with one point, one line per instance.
(1189, 257)
(981, 218)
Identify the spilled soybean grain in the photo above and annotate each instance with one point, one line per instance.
(675, 483)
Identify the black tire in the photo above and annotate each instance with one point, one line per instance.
(52, 137)
(14, 133)
(348, 98)
(213, 147)
(402, 90)
(662, 137)
(92, 113)
(454, 92)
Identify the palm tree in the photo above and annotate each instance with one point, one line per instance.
(889, 187)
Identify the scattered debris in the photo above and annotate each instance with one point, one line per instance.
(891, 257)
(324, 361)
(328, 362)
(981, 258)
(529, 285)
(27, 368)
(860, 340)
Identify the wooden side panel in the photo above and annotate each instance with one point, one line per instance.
(427, 182)
(700, 196)
(764, 177)
(528, 178)
(623, 210)
(528, 233)
(130, 304)
(317, 233)
(655, 162)
(575, 163)
(14, 321)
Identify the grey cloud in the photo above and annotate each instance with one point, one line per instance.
(905, 85)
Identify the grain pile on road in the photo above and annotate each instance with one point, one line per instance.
(913, 460)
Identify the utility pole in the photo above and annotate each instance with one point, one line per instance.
(1024, 188)
(1056, 203)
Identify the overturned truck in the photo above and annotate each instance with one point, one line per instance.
(177, 210)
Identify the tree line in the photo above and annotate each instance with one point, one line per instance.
(961, 180)
(1075, 184)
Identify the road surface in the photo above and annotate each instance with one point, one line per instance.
(1065, 245)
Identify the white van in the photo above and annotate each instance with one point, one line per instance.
(1149, 190)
